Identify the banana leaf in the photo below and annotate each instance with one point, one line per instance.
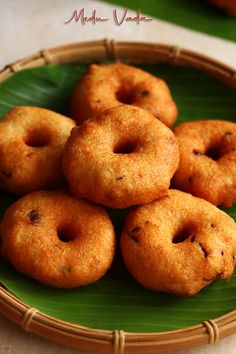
(116, 301)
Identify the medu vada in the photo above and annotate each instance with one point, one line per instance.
(207, 166)
(31, 144)
(179, 244)
(57, 239)
(107, 86)
(121, 158)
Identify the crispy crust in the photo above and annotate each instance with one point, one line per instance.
(107, 86)
(31, 144)
(30, 232)
(179, 244)
(207, 166)
(121, 158)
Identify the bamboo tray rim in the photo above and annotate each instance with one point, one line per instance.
(117, 341)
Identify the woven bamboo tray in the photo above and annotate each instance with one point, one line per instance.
(117, 341)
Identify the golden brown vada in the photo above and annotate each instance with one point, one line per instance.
(179, 244)
(57, 239)
(120, 158)
(107, 86)
(31, 144)
(207, 167)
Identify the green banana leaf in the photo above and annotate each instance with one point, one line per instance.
(117, 301)
(197, 15)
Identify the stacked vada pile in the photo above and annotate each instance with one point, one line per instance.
(122, 154)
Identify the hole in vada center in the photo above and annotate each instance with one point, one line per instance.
(37, 139)
(215, 151)
(183, 234)
(126, 147)
(65, 234)
(124, 96)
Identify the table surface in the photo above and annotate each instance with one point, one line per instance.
(28, 26)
